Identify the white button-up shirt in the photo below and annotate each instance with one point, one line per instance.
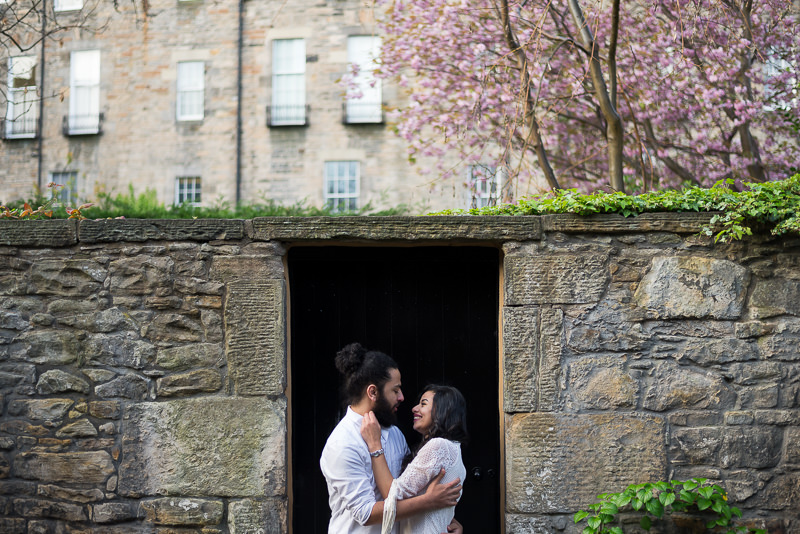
(347, 467)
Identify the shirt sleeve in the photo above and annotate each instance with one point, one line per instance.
(438, 453)
(348, 476)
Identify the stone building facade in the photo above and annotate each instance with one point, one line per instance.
(143, 366)
(165, 86)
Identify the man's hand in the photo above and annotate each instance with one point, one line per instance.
(454, 527)
(371, 431)
(441, 495)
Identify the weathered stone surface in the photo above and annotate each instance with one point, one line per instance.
(21, 376)
(243, 268)
(781, 493)
(23, 428)
(62, 307)
(114, 512)
(397, 228)
(99, 375)
(774, 296)
(138, 230)
(190, 382)
(212, 325)
(48, 347)
(65, 277)
(792, 440)
(174, 328)
(13, 525)
(255, 326)
(12, 321)
(105, 409)
(555, 279)
(89, 467)
(198, 286)
(40, 409)
(523, 524)
(695, 286)
(182, 511)
(739, 446)
(6, 443)
(103, 321)
(17, 488)
(250, 516)
(752, 373)
(70, 494)
(686, 223)
(50, 233)
(550, 469)
(141, 275)
(520, 359)
(601, 384)
(56, 510)
(188, 356)
(58, 381)
(79, 429)
(119, 350)
(707, 352)
(128, 386)
(674, 386)
(211, 446)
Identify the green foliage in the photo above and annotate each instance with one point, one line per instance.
(653, 500)
(774, 204)
(45, 207)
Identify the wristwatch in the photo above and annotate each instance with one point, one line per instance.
(376, 453)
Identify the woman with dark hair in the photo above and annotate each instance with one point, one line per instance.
(441, 418)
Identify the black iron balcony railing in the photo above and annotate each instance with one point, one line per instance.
(360, 112)
(23, 127)
(82, 124)
(293, 115)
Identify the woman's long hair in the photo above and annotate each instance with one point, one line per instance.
(449, 414)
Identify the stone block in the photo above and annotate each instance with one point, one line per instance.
(755, 447)
(18, 376)
(209, 446)
(560, 463)
(50, 491)
(58, 381)
(99, 321)
(781, 493)
(681, 223)
(66, 277)
(174, 328)
(520, 359)
(12, 321)
(92, 467)
(128, 386)
(141, 275)
(40, 409)
(227, 269)
(182, 511)
(792, 440)
(555, 279)
(697, 446)
(774, 296)
(693, 287)
(13, 525)
(81, 428)
(99, 375)
(197, 381)
(46, 347)
(601, 383)
(119, 350)
(24, 429)
(105, 409)
(114, 512)
(257, 517)
(189, 356)
(139, 230)
(752, 373)
(674, 386)
(45, 233)
(35, 508)
(709, 352)
(255, 328)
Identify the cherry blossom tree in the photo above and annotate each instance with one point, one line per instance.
(635, 95)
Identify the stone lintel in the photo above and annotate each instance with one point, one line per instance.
(559, 463)
(229, 268)
(38, 233)
(679, 223)
(137, 230)
(433, 228)
(555, 279)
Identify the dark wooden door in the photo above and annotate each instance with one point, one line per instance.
(434, 310)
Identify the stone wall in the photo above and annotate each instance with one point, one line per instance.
(143, 366)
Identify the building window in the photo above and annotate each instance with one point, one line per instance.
(84, 98)
(288, 82)
(484, 184)
(187, 190)
(191, 89)
(781, 82)
(341, 185)
(364, 97)
(67, 195)
(67, 5)
(22, 112)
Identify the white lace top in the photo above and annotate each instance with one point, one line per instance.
(438, 453)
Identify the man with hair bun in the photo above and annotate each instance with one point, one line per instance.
(372, 384)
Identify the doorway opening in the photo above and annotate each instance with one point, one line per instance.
(435, 311)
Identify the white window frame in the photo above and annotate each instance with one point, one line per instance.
(22, 110)
(84, 95)
(485, 184)
(191, 86)
(365, 95)
(188, 190)
(288, 82)
(342, 184)
(67, 195)
(774, 67)
(67, 5)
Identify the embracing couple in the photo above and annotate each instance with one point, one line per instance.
(364, 456)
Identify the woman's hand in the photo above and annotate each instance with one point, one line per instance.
(371, 431)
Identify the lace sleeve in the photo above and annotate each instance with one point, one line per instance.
(438, 453)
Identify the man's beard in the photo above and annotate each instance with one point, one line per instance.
(384, 412)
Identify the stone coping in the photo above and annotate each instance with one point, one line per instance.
(490, 229)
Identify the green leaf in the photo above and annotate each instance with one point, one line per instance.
(645, 523)
(702, 503)
(580, 516)
(655, 508)
(669, 498)
(594, 522)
